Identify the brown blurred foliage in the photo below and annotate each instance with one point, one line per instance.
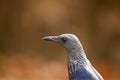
(24, 56)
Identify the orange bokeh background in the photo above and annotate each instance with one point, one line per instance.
(23, 23)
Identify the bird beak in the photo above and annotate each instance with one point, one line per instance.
(51, 38)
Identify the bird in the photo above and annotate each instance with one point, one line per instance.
(79, 67)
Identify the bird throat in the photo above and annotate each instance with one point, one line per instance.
(75, 61)
(76, 57)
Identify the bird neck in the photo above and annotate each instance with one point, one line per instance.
(77, 56)
(76, 59)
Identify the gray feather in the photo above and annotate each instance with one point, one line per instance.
(79, 67)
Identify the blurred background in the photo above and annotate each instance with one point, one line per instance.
(25, 56)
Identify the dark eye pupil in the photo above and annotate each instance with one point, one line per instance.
(64, 40)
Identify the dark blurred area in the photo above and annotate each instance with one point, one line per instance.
(23, 23)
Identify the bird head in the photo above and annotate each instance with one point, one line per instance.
(68, 41)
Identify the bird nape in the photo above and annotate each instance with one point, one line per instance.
(79, 67)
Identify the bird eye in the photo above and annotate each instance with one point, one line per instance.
(64, 40)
